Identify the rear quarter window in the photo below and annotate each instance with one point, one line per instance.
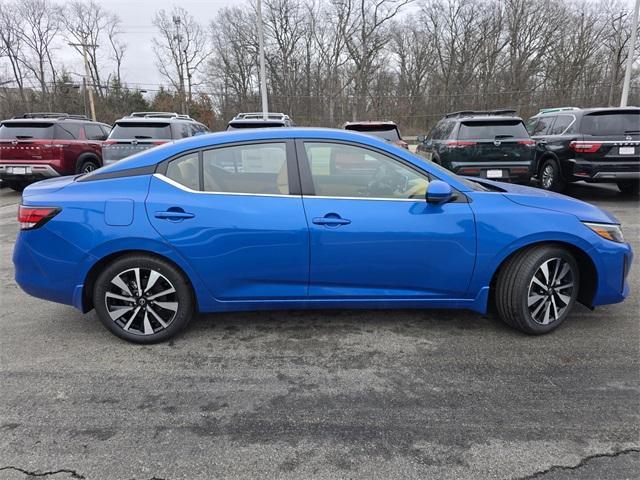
(479, 129)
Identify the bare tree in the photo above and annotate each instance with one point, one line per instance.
(180, 50)
(11, 24)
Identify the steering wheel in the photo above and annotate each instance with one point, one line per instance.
(386, 181)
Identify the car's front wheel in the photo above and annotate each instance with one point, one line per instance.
(537, 288)
(143, 299)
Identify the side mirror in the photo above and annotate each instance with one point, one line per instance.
(438, 192)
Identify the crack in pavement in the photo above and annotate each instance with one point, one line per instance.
(581, 463)
(36, 473)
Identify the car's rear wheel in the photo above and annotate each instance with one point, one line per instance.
(550, 177)
(88, 166)
(537, 288)
(143, 299)
(629, 187)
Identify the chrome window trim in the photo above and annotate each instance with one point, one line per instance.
(171, 182)
(378, 199)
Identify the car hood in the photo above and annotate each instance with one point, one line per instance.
(538, 198)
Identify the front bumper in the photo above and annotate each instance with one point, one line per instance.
(26, 172)
(603, 171)
(614, 264)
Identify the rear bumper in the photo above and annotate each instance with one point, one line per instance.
(578, 169)
(12, 172)
(514, 172)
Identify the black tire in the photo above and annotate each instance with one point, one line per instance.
(516, 286)
(550, 176)
(17, 186)
(88, 165)
(142, 312)
(629, 187)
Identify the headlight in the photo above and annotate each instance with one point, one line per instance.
(607, 230)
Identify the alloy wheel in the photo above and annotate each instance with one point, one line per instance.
(141, 301)
(550, 291)
(88, 167)
(548, 175)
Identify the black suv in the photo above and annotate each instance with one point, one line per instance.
(590, 144)
(257, 120)
(488, 144)
(142, 130)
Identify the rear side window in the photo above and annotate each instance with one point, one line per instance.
(185, 170)
(68, 131)
(478, 130)
(561, 124)
(25, 131)
(141, 131)
(255, 168)
(544, 126)
(611, 123)
(94, 132)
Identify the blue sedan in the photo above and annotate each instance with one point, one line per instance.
(308, 218)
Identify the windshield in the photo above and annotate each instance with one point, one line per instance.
(25, 131)
(611, 123)
(141, 131)
(388, 133)
(478, 130)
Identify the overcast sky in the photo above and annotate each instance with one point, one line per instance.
(139, 68)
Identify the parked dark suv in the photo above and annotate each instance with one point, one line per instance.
(489, 144)
(142, 130)
(590, 144)
(36, 146)
(257, 120)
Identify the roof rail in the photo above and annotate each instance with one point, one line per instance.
(475, 113)
(260, 115)
(159, 115)
(558, 109)
(51, 115)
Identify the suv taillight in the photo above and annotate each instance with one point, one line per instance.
(459, 144)
(34, 217)
(528, 143)
(585, 147)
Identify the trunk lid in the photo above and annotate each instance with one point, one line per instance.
(31, 142)
(609, 136)
(493, 141)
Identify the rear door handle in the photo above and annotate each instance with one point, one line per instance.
(331, 220)
(174, 214)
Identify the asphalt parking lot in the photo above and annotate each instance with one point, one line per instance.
(325, 394)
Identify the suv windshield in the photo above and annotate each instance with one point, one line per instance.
(487, 129)
(23, 130)
(389, 133)
(141, 130)
(611, 123)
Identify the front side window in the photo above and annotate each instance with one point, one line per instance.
(252, 169)
(339, 170)
(185, 170)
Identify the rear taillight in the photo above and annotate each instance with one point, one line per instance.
(528, 143)
(469, 171)
(34, 217)
(459, 144)
(585, 147)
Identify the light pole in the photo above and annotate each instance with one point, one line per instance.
(632, 47)
(263, 78)
(87, 74)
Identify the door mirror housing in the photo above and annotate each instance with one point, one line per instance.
(439, 192)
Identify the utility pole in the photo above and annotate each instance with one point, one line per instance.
(87, 74)
(177, 21)
(263, 78)
(632, 47)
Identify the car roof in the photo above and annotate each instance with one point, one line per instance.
(371, 123)
(488, 118)
(582, 111)
(53, 120)
(257, 120)
(152, 157)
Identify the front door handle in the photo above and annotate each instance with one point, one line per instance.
(331, 220)
(174, 214)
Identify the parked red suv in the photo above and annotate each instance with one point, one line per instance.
(36, 146)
